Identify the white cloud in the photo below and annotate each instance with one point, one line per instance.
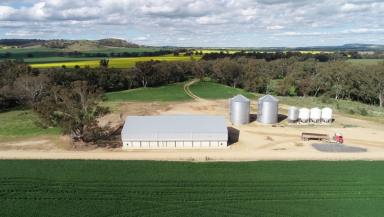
(5, 12)
(217, 21)
(275, 27)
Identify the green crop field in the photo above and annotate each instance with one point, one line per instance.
(22, 123)
(114, 62)
(138, 188)
(172, 92)
(211, 90)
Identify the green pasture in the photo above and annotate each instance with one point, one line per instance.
(138, 188)
(212, 90)
(172, 92)
(114, 62)
(22, 123)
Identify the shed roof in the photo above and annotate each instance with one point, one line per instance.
(175, 128)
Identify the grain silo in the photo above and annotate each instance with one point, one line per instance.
(240, 110)
(293, 114)
(326, 115)
(268, 110)
(304, 115)
(315, 115)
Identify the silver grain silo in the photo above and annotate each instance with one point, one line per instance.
(268, 110)
(239, 110)
(293, 114)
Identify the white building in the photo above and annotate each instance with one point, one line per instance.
(174, 132)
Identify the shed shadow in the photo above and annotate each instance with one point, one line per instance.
(233, 135)
(252, 118)
(281, 118)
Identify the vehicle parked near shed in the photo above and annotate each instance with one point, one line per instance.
(337, 138)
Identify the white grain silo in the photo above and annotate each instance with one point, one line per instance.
(304, 115)
(240, 110)
(327, 115)
(268, 110)
(315, 115)
(293, 114)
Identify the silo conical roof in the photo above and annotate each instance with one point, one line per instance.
(268, 98)
(240, 98)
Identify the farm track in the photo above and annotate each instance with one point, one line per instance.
(189, 92)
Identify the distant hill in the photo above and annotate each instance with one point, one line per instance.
(341, 48)
(346, 47)
(78, 45)
(113, 42)
(20, 42)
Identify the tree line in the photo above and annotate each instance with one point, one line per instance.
(270, 56)
(285, 77)
(78, 54)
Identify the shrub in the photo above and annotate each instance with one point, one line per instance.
(351, 111)
(363, 111)
(292, 91)
(325, 99)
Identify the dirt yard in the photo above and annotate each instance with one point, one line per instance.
(255, 141)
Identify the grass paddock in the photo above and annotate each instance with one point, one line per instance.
(22, 123)
(212, 90)
(172, 92)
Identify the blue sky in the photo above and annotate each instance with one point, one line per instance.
(215, 23)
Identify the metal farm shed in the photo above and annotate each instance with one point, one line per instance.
(174, 132)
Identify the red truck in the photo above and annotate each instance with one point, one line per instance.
(337, 138)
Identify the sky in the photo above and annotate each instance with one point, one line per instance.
(200, 23)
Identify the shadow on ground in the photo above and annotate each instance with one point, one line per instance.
(233, 135)
(280, 118)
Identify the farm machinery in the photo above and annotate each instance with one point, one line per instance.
(337, 137)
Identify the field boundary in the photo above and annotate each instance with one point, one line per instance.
(227, 155)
